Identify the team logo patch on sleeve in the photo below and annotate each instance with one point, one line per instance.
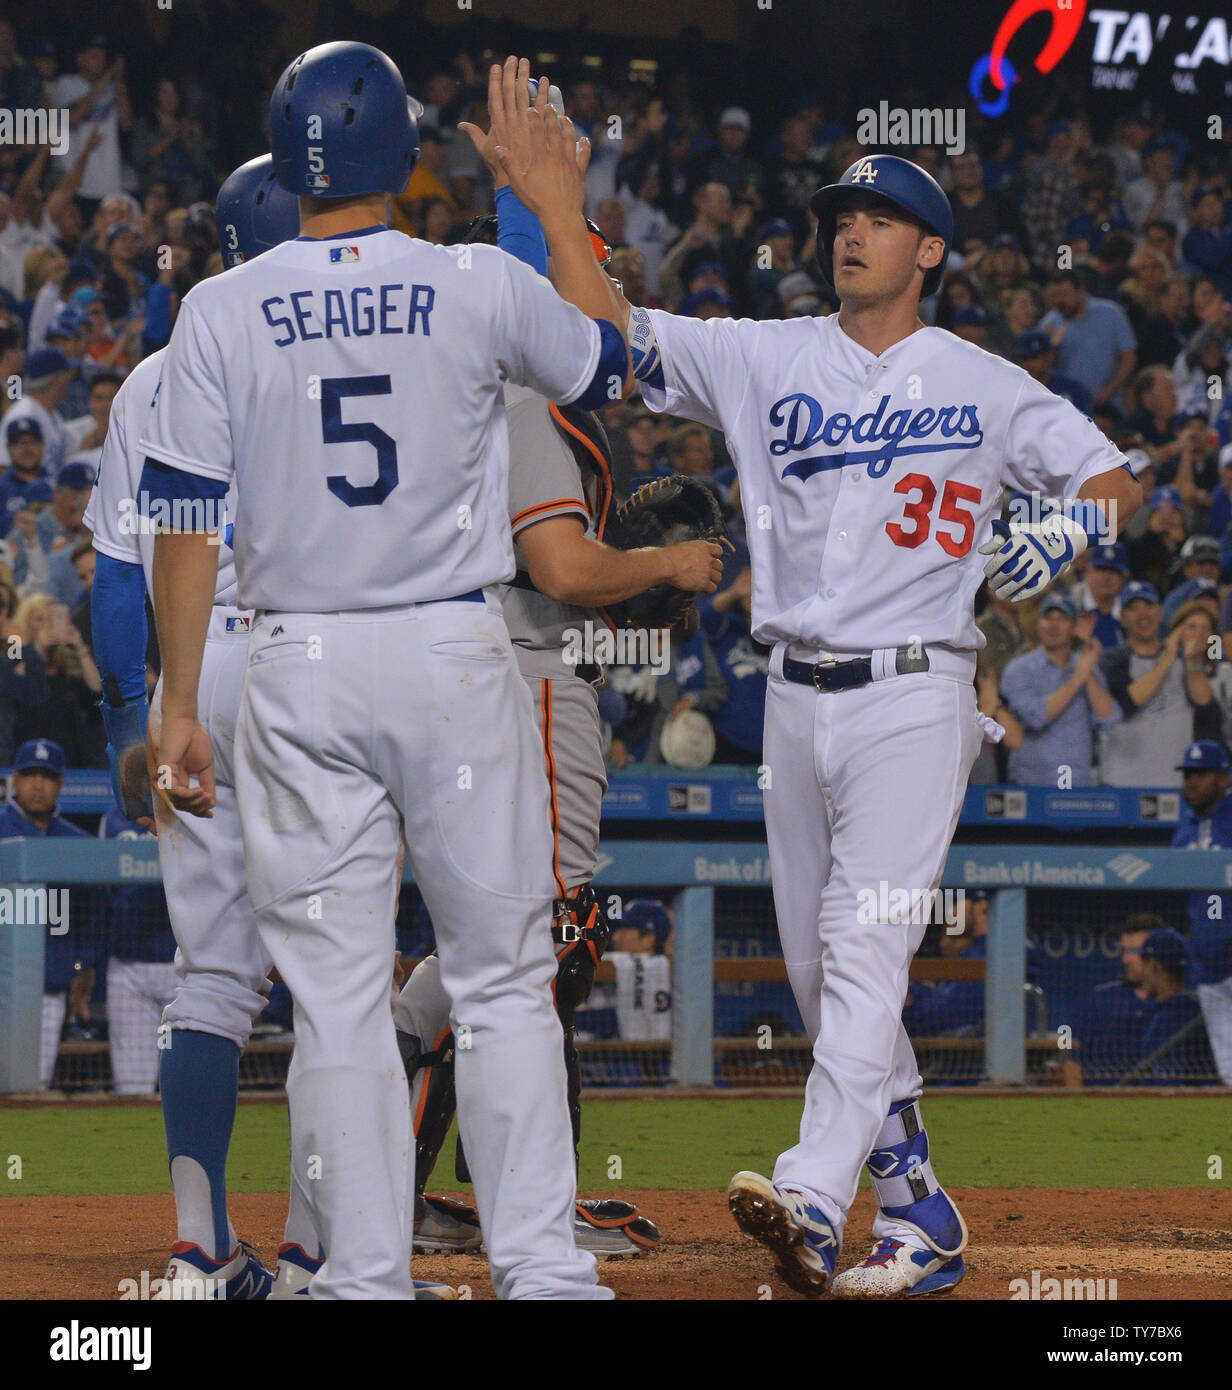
(341, 254)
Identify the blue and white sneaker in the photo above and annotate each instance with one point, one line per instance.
(788, 1224)
(296, 1268)
(242, 1278)
(898, 1270)
(922, 1256)
(294, 1272)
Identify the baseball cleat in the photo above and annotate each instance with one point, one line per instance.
(242, 1278)
(294, 1272)
(296, 1268)
(429, 1291)
(612, 1230)
(896, 1270)
(444, 1226)
(786, 1223)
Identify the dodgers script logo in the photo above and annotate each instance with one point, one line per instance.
(805, 425)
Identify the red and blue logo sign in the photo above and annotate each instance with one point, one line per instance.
(995, 69)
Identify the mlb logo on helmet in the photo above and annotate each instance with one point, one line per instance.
(317, 180)
(339, 254)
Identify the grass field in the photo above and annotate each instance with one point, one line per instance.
(671, 1144)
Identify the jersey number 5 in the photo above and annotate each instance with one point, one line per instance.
(919, 511)
(335, 431)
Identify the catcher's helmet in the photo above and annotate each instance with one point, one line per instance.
(483, 231)
(341, 124)
(898, 181)
(253, 213)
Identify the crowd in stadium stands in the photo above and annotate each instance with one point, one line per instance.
(1099, 260)
(707, 213)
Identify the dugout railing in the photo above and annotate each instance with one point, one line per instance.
(1025, 883)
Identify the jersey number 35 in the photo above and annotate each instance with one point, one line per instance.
(919, 513)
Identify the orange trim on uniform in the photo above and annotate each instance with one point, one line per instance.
(547, 507)
(605, 482)
(550, 764)
(427, 1075)
(605, 473)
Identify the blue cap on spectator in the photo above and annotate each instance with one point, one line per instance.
(1062, 602)
(40, 754)
(1138, 589)
(1110, 557)
(44, 364)
(775, 227)
(82, 298)
(1169, 496)
(693, 302)
(708, 268)
(75, 475)
(644, 914)
(24, 424)
(1003, 239)
(1033, 343)
(1154, 146)
(969, 314)
(1164, 944)
(1205, 755)
(65, 325)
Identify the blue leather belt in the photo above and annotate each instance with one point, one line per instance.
(828, 677)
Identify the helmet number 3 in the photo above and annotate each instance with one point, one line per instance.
(337, 431)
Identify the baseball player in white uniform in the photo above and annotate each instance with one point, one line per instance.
(872, 454)
(221, 967)
(560, 494)
(349, 382)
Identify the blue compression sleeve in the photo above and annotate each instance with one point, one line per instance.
(519, 232)
(117, 612)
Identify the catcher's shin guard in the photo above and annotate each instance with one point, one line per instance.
(429, 1073)
(580, 934)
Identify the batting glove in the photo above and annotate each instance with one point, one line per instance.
(1027, 557)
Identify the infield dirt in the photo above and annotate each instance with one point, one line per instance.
(1164, 1244)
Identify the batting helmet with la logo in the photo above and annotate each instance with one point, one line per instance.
(898, 181)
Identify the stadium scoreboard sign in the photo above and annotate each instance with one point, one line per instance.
(1145, 50)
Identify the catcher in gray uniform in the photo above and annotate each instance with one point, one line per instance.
(560, 508)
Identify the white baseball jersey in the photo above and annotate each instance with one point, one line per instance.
(643, 996)
(352, 388)
(119, 523)
(864, 478)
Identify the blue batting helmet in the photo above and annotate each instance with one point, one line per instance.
(897, 181)
(342, 125)
(253, 213)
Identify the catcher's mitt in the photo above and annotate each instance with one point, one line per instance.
(662, 512)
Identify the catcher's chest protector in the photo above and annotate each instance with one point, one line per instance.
(583, 432)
